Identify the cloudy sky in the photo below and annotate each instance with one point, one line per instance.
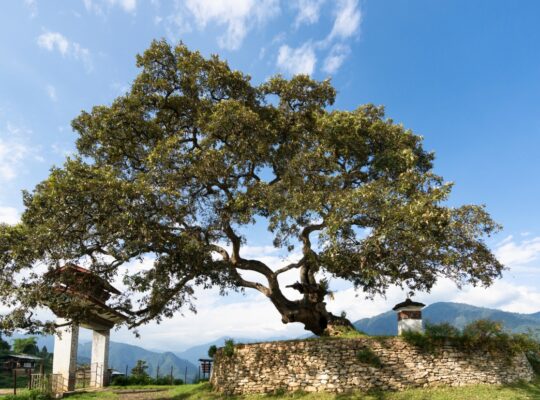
(465, 75)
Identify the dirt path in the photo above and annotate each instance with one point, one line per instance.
(141, 394)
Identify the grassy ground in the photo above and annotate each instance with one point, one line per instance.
(519, 391)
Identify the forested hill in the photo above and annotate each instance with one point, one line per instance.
(457, 314)
(122, 355)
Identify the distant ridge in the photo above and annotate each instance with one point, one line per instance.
(122, 355)
(193, 354)
(457, 314)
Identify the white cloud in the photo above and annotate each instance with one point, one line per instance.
(100, 6)
(9, 215)
(347, 21)
(238, 17)
(51, 92)
(13, 151)
(335, 58)
(32, 7)
(308, 11)
(513, 253)
(52, 41)
(301, 60)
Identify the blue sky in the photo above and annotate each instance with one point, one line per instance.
(465, 75)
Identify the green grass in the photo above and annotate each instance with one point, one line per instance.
(520, 391)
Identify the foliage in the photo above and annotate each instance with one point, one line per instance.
(440, 331)
(228, 348)
(139, 373)
(367, 356)
(193, 154)
(534, 358)
(344, 332)
(26, 346)
(29, 395)
(480, 335)
(138, 380)
(212, 351)
(4, 346)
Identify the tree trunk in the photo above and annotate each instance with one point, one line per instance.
(313, 315)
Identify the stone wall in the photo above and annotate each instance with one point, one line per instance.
(333, 365)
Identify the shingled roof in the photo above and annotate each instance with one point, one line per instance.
(408, 303)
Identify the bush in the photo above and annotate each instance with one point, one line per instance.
(481, 335)
(135, 380)
(534, 359)
(441, 331)
(228, 349)
(212, 351)
(418, 339)
(367, 356)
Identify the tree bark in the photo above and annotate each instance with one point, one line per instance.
(310, 311)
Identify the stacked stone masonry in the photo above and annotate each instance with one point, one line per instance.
(332, 365)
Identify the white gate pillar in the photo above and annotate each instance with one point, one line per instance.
(65, 354)
(99, 369)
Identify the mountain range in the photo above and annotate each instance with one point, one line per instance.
(193, 354)
(122, 356)
(457, 314)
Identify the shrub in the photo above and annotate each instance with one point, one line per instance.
(367, 356)
(212, 351)
(134, 380)
(418, 339)
(534, 359)
(119, 381)
(441, 331)
(481, 335)
(228, 349)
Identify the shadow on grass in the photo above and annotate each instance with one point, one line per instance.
(531, 389)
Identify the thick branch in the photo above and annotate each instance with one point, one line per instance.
(252, 285)
(235, 240)
(309, 267)
(304, 235)
(290, 266)
(221, 251)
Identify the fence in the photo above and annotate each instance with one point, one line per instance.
(48, 383)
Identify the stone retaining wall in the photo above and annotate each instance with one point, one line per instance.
(333, 365)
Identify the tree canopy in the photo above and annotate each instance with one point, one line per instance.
(174, 170)
(26, 346)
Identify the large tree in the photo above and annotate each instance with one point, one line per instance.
(177, 168)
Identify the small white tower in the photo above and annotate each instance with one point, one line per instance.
(409, 316)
